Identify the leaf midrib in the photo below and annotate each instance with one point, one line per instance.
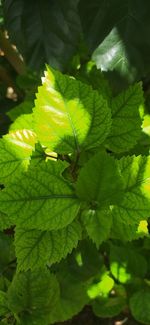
(39, 198)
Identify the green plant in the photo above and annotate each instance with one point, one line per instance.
(71, 185)
(75, 163)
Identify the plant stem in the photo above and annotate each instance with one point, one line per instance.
(12, 55)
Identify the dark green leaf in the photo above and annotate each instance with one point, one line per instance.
(46, 32)
(73, 297)
(3, 303)
(24, 108)
(140, 306)
(108, 307)
(126, 263)
(99, 182)
(33, 295)
(123, 42)
(126, 120)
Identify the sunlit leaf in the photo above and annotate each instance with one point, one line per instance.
(136, 203)
(15, 150)
(69, 115)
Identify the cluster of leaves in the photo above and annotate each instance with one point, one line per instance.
(115, 33)
(71, 184)
(75, 163)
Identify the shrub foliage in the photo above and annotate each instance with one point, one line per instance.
(75, 163)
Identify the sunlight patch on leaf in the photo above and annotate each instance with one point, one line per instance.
(101, 288)
(146, 124)
(69, 115)
(136, 203)
(143, 227)
(15, 152)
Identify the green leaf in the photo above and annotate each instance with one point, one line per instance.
(142, 146)
(98, 224)
(126, 263)
(143, 228)
(28, 82)
(126, 120)
(101, 179)
(35, 248)
(111, 55)
(7, 251)
(32, 248)
(41, 199)
(91, 75)
(101, 288)
(24, 108)
(44, 33)
(32, 295)
(64, 240)
(72, 115)
(5, 221)
(146, 124)
(4, 283)
(140, 305)
(24, 121)
(98, 18)
(3, 303)
(38, 155)
(73, 297)
(85, 266)
(136, 203)
(123, 231)
(15, 151)
(128, 232)
(108, 307)
(123, 43)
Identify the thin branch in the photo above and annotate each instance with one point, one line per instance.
(11, 55)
